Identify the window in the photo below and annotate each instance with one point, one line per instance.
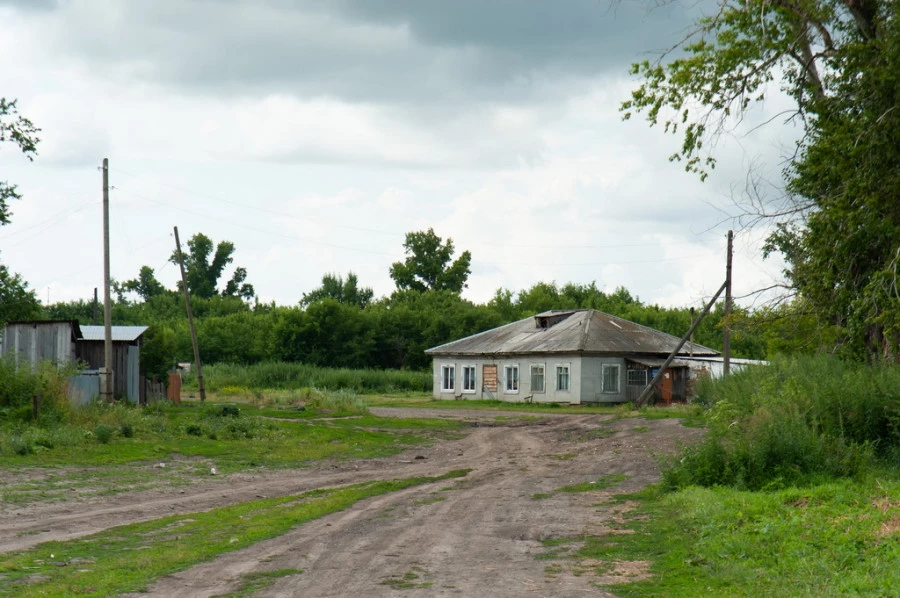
(512, 378)
(610, 378)
(637, 377)
(448, 377)
(562, 377)
(537, 377)
(468, 378)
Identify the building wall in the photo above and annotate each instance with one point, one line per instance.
(125, 371)
(592, 390)
(504, 392)
(36, 342)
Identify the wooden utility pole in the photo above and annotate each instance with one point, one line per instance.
(648, 390)
(94, 320)
(187, 304)
(106, 388)
(726, 330)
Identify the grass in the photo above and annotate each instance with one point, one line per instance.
(602, 483)
(282, 375)
(65, 459)
(128, 558)
(408, 581)
(837, 538)
(251, 583)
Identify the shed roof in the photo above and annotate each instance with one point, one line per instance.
(585, 331)
(76, 329)
(119, 333)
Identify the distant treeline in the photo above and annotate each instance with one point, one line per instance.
(393, 332)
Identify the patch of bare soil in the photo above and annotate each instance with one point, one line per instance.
(475, 536)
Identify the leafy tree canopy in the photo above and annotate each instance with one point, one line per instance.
(840, 62)
(343, 291)
(17, 301)
(429, 264)
(145, 284)
(21, 132)
(203, 273)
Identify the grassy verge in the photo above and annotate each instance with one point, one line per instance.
(128, 558)
(838, 538)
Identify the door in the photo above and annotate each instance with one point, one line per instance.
(489, 379)
(666, 386)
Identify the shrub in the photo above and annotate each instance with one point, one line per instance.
(790, 421)
(103, 433)
(127, 430)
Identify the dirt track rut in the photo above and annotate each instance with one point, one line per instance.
(475, 536)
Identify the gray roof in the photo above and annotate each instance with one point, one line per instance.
(584, 331)
(119, 333)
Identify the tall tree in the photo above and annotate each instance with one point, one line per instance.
(429, 264)
(17, 301)
(343, 291)
(145, 284)
(203, 274)
(840, 62)
(21, 132)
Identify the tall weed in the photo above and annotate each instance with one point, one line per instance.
(284, 375)
(790, 421)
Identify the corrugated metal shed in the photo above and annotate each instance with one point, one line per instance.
(585, 331)
(119, 333)
(38, 340)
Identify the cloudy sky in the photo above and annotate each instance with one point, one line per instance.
(315, 134)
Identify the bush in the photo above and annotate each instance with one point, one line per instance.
(103, 433)
(793, 420)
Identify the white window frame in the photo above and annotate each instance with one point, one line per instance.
(466, 379)
(451, 368)
(511, 383)
(568, 368)
(543, 387)
(603, 369)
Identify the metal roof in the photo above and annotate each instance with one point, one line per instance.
(119, 333)
(585, 331)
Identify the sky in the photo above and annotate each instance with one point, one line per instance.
(315, 134)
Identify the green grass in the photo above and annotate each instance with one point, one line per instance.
(839, 538)
(128, 558)
(602, 483)
(251, 583)
(281, 375)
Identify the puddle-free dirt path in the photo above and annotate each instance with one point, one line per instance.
(475, 536)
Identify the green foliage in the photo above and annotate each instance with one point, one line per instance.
(20, 384)
(428, 265)
(346, 292)
(830, 539)
(839, 225)
(103, 433)
(203, 273)
(17, 301)
(282, 375)
(21, 132)
(790, 422)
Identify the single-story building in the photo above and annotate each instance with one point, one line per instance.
(64, 341)
(573, 356)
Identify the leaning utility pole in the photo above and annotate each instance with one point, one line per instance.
(106, 386)
(648, 390)
(726, 330)
(187, 303)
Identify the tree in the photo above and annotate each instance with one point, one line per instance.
(203, 275)
(17, 301)
(335, 287)
(145, 284)
(428, 264)
(839, 220)
(22, 132)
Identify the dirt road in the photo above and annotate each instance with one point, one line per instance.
(475, 536)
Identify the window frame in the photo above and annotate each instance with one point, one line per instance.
(465, 369)
(645, 376)
(512, 367)
(603, 369)
(568, 373)
(451, 367)
(543, 374)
